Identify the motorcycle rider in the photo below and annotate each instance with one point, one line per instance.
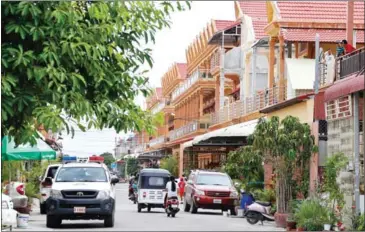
(171, 189)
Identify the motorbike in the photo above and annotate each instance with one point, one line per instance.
(172, 206)
(259, 211)
(133, 195)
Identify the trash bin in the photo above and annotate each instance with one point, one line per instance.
(22, 220)
(246, 200)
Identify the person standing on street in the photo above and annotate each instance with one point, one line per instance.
(181, 188)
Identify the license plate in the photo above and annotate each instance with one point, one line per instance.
(217, 201)
(79, 209)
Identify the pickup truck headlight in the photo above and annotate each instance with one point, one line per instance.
(233, 194)
(103, 194)
(200, 192)
(56, 194)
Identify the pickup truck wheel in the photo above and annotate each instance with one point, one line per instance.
(186, 206)
(43, 208)
(193, 208)
(109, 221)
(53, 221)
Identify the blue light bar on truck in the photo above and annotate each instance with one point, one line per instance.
(69, 159)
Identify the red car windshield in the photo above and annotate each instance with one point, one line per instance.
(212, 179)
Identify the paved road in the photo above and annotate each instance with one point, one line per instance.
(127, 219)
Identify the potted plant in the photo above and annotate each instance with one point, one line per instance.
(311, 215)
(290, 223)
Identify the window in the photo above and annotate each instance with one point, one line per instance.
(82, 174)
(52, 172)
(153, 182)
(212, 179)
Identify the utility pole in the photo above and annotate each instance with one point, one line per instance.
(357, 152)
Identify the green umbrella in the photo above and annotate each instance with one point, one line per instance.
(40, 151)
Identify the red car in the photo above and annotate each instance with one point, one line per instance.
(210, 190)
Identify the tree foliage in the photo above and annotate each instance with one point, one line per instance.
(245, 164)
(288, 145)
(171, 164)
(132, 166)
(333, 166)
(108, 158)
(69, 62)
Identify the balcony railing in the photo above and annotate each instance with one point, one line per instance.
(195, 77)
(157, 141)
(350, 63)
(215, 61)
(187, 129)
(260, 100)
(159, 107)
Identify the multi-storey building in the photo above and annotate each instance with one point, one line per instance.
(262, 64)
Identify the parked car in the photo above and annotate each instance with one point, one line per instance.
(45, 187)
(16, 191)
(210, 190)
(8, 214)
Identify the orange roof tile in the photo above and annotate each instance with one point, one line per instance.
(159, 92)
(319, 11)
(223, 24)
(183, 69)
(257, 11)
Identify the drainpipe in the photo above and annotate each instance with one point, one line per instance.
(221, 84)
(356, 152)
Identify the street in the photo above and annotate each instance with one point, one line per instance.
(127, 219)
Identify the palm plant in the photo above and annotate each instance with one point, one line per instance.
(288, 145)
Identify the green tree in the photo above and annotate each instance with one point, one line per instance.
(171, 164)
(132, 166)
(245, 164)
(108, 158)
(69, 62)
(333, 166)
(288, 145)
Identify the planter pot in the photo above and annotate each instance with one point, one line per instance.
(290, 225)
(300, 229)
(280, 219)
(327, 227)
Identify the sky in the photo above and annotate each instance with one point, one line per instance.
(171, 44)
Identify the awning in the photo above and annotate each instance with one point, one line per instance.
(187, 144)
(325, 35)
(131, 156)
(40, 151)
(239, 130)
(346, 86)
(155, 154)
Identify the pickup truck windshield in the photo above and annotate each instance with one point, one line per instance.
(211, 179)
(81, 174)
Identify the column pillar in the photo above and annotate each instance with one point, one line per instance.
(221, 77)
(181, 160)
(350, 22)
(282, 84)
(271, 79)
